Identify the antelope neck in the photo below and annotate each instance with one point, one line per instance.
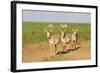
(49, 35)
(63, 35)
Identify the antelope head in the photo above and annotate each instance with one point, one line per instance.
(75, 31)
(63, 29)
(49, 31)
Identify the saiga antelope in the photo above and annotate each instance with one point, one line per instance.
(74, 38)
(65, 38)
(53, 40)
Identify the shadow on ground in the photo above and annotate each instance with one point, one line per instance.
(68, 51)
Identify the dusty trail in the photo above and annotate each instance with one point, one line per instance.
(40, 52)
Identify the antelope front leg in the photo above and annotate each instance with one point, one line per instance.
(51, 48)
(55, 49)
(73, 45)
(68, 46)
(64, 47)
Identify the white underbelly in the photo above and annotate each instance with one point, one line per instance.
(53, 41)
(65, 40)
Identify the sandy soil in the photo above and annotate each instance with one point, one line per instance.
(40, 53)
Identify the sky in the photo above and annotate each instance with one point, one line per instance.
(51, 16)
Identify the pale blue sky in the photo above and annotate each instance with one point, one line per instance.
(48, 16)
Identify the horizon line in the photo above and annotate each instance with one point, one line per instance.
(56, 22)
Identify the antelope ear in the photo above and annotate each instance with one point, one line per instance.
(77, 30)
(65, 25)
(50, 25)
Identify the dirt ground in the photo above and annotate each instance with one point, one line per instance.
(40, 53)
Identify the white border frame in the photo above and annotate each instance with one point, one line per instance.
(21, 65)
